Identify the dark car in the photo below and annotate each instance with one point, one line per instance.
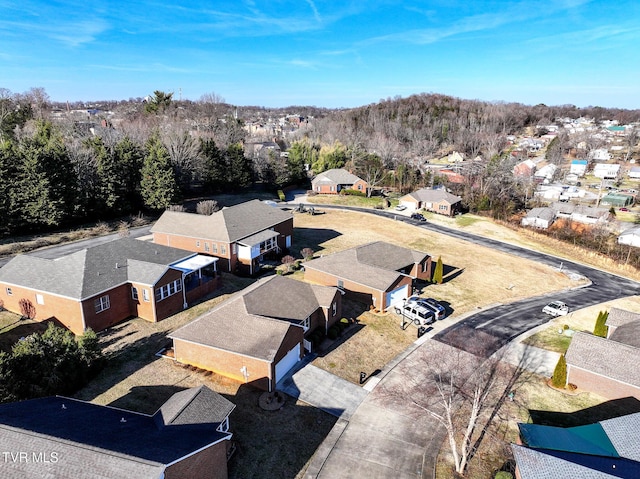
(418, 216)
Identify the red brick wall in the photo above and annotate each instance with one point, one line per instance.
(605, 387)
(223, 362)
(417, 271)
(120, 308)
(210, 463)
(174, 303)
(191, 244)
(65, 310)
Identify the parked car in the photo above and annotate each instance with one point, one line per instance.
(624, 209)
(401, 208)
(417, 313)
(418, 216)
(431, 304)
(556, 308)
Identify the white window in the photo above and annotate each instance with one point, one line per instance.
(102, 303)
(306, 324)
(39, 299)
(334, 308)
(206, 246)
(340, 284)
(223, 249)
(214, 247)
(9, 292)
(233, 248)
(134, 293)
(168, 290)
(145, 294)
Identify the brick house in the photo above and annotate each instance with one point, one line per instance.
(435, 200)
(239, 236)
(379, 273)
(605, 449)
(105, 284)
(608, 366)
(64, 437)
(257, 336)
(331, 182)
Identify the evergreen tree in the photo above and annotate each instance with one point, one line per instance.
(215, 174)
(158, 186)
(559, 378)
(438, 271)
(600, 328)
(301, 153)
(47, 183)
(240, 167)
(8, 178)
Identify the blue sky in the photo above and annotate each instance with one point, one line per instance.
(325, 53)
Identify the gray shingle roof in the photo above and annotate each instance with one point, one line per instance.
(430, 195)
(95, 441)
(336, 175)
(198, 405)
(284, 298)
(536, 464)
(227, 225)
(93, 270)
(230, 327)
(624, 434)
(607, 358)
(618, 317)
(543, 213)
(375, 264)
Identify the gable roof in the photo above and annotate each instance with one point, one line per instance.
(431, 195)
(374, 264)
(93, 270)
(543, 212)
(604, 357)
(609, 448)
(226, 225)
(113, 442)
(198, 405)
(339, 176)
(619, 317)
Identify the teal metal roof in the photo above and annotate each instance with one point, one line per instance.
(589, 439)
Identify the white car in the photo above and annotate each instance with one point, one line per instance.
(556, 308)
(401, 208)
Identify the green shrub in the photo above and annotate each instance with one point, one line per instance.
(350, 192)
(601, 328)
(438, 271)
(503, 475)
(559, 378)
(345, 321)
(281, 195)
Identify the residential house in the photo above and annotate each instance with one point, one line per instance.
(524, 169)
(619, 322)
(331, 182)
(581, 213)
(451, 175)
(539, 218)
(64, 437)
(606, 171)
(257, 336)
(608, 367)
(545, 174)
(578, 167)
(240, 236)
(380, 274)
(600, 154)
(617, 199)
(105, 284)
(436, 200)
(634, 172)
(630, 236)
(604, 450)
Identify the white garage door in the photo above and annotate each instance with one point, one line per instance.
(397, 295)
(285, 364)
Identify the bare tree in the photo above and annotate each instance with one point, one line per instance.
(207, 207)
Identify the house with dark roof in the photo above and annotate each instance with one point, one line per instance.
(68, 438)
(607, 366)
(435, 200)
(240, 236)
(331, 182)
(581, 213)
(105, 284)
(259, 334)
(380, 274)
(604, 450)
